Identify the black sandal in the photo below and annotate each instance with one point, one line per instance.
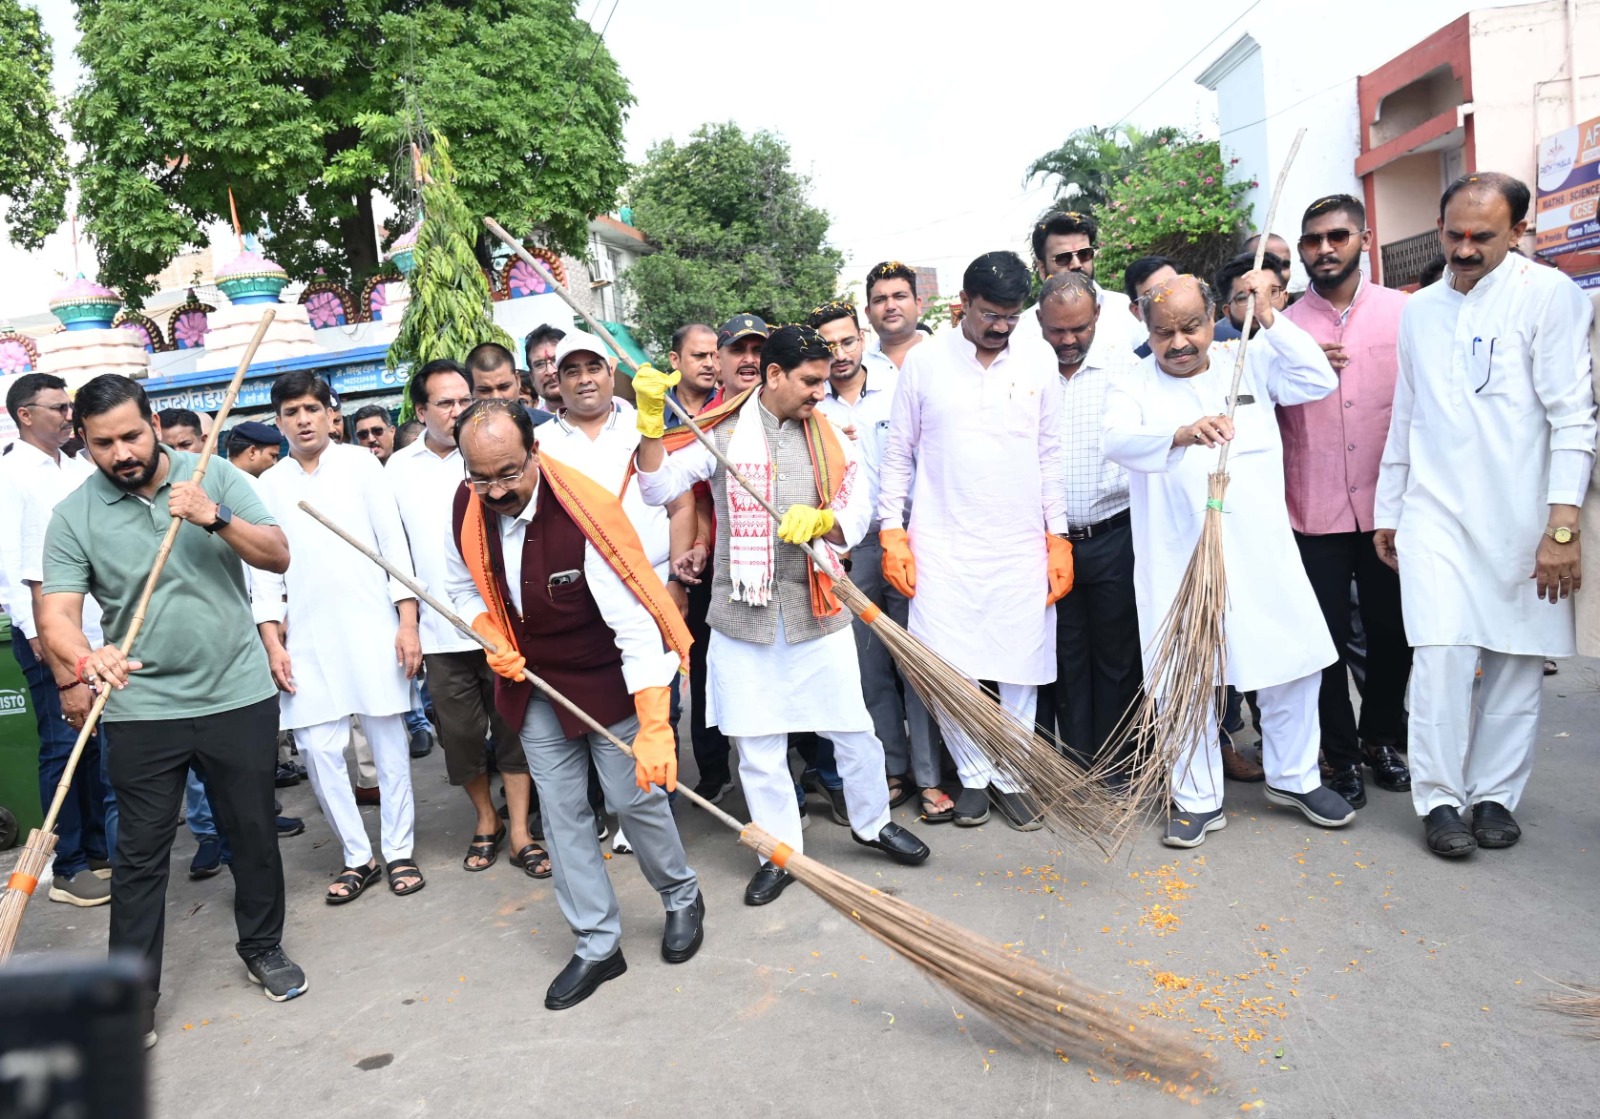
(900, 789)
(937, 817)
(405, 868)
(531, 856)
(484, 847)
(355, 879)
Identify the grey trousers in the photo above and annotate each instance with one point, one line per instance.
(560, 768)
(918, 753)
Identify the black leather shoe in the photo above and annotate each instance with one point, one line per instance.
(1493, 825)
(1389, 769)
(581, 978)
(1447, 836)
(899, 844)
(684, 931)
(770, 881)
(1347, 783)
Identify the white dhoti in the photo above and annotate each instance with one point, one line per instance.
(322, 747)
(1467, 750)
(1291, 735)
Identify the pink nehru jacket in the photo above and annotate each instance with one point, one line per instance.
(1332, 447)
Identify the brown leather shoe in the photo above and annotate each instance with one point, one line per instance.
(1237, 767)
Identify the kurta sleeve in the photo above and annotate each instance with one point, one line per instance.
(12, 593)
(459, 588)
(1131, 442)
(646, 660)
(27, 561)
(1296, 369)
(267, 589)
(898, 463)
(388, 530)
(852, 509)
(1394, 471)
(679, 471)
(1562, 380)
(1051, 453)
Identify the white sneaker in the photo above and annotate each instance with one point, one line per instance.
(620, 844)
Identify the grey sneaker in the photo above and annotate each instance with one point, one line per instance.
(1017, 809)
(1188, 829)
(85, 888)
(279, 977)
(1321, 805)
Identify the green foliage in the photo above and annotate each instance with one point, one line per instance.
(936, 311)
(1091, 161)
(1178, 202)
(305, 109)
(450, 310)
(33, 174)
(736, 234)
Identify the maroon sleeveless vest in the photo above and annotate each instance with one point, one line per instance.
(560, 631)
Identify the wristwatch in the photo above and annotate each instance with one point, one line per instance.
(224, 519)
(1562, 535)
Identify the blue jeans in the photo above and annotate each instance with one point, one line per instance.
(197, 810)
(81, 825)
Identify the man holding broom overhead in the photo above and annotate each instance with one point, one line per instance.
(782, 657)
(547, 566)
(1164, 423)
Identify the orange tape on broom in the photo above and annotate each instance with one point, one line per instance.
(780, 855)
(24, 882)
(870, 614)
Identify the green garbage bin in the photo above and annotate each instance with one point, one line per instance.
(19, 744)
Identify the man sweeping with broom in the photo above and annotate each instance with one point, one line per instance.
(1277, 642)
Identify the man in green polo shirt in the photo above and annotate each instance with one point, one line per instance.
(180, 702)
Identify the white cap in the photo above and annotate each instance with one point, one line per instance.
(578, 341)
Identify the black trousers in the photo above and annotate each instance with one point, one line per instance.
(1099, 665)
(711, 746)
(1331, 562)
(236, 753)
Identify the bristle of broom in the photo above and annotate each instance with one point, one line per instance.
(33, 861)
(1582, 1004)
(1073, 803)
(1025, 1000)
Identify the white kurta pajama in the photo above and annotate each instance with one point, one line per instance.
(1494, 421)
(760, 694)
(975, 454)
(341, 624)
(1277, 640)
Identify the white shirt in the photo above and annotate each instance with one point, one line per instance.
(1494, 421)
(1097, 488)
(31, 481)
(425, 484)
(604, 459)
(646, 662)
(868, 417)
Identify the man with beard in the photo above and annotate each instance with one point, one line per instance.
(1332, 449)
(974, 452)
(207, 703)
(540, 348)
(340, 618)
(1098, 666)
(894, 311)
(1277, 643)
(1067, 241)
(1235, 294)
(739, 345)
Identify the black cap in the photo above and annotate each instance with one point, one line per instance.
(258, 434)
(738, 327)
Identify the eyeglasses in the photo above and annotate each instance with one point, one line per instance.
(64, 410)
(504, 481)
(990, 318)
(1066, 259)
(1336, 238)
(846, 344)
(543, 364)
(460, 403)
(1244, 296)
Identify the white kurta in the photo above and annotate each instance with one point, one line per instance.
(340, 611)
(1275, 630)
(977, 455)
(781, 688)
(429, 483)
(1494, 421)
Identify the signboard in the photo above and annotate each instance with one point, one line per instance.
(358, 377)
(1569, 191)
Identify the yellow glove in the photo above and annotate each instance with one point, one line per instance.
(650, 387)
(655, 751)
(802, 523)
(504, 659)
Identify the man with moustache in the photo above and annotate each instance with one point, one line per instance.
(180, 429)
(1068, 241)
(1490, 450)
(974, 452)
(1138, 278)
(1332, 449)
(540, 348)
(254, 447)
(1277, 643)
(694, 354)
(739, 343)
(893, 309)
(207, 703)
(492, 373)
(341, 619)
(374, 432)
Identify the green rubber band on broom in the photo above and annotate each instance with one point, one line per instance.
(1214, 503)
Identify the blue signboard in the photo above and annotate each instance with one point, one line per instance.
(349, 372)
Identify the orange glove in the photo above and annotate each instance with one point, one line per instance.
(655, 752)
(504, 659)
(1060, 564)
(899, 566)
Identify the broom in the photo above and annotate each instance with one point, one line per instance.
(1185, 673)
(1072, 803)
(41, 844)
(1024, 999)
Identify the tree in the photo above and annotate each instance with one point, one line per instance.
(1177, 202)
(1092, 160)
(450, 310)
(736, 233)
(33, 175)
(306, 111)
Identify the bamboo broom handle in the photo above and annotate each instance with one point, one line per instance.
(454, 619)
(1250, 305)
(155, 571)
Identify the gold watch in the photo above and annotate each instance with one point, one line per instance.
(1562, 535)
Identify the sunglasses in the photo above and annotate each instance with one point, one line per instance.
(1081, 256)
(373, 433)
(1336, 238)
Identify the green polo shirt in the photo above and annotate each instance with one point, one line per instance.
(199, 645)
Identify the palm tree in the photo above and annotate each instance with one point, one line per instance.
(1093, 159)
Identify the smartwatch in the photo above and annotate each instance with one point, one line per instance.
(224, 519)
